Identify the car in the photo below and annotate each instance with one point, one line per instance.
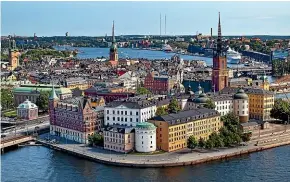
(3, 136)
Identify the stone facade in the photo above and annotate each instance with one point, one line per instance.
(27, 110)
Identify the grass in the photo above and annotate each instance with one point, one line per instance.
(10, 114)
(147, 153)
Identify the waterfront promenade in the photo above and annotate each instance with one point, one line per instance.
(178, 158)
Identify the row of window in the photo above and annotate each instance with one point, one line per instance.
(121, 119)
(178, 146)
(114, 147)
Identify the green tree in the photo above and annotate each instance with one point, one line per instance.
(246, 137)
(209, 104)
(191, 142)
(174, 106)
(280, 110)
(217, 139)
(96, 140)
(161, 111)
(230, 119)
(201, 142)
(6, 99)
(42, 100)
(209, 144)
(143, 90)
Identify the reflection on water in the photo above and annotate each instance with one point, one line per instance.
(42, 164)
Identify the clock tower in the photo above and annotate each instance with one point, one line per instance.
(220, 73)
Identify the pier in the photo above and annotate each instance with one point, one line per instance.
(14, 141)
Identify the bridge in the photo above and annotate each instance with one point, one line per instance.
(258, 56)
(254, 70)
(14, 141)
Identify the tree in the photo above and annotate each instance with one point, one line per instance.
(143, 90)
(191, 142)
(230, 119)
(42, 100)
(161, 111)
(201, 142)
(209, 104)
(174, 106)
(217, 140)
(280, 110)
(6, 99)
(209, 144)
(246, 137)
(96, 140)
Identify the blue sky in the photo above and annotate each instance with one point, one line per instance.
(95, 18)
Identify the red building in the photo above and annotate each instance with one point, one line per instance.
(72, 118)
(220, 73)
(157, 84)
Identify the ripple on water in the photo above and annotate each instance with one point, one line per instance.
(46, 165)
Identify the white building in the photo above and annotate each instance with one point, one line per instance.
(145, 137)
(27, 110)
(129, 112)
(223, 104)
(241, 105)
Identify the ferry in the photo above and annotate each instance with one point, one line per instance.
(166, 48)
(233, 57)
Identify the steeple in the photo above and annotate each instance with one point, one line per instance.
(219, 39)
(113, 33)
(53, 95)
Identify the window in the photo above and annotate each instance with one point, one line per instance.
(131, 119)
(125, 119)
(108, 118)
(121, 112)
(136, 119)
(137, 113)
(113, 111)
(107, 111)
(130, 112)
(113, 118)
(118, 119)
(125, 112)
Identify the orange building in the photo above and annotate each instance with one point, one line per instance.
(13, 55)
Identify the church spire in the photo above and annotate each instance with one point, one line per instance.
(219, 39)
(113, 32)
(53, 95)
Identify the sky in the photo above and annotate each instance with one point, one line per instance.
(143, 18)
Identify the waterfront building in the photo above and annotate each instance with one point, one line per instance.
(99, 110)
(158, 84)
(72, 118)
(73, 83)
(173, 130)
(129, 112)
(260, 102)
(223, 103)
(27, 110)
(220, 73)
(32, 91)
(113, 49)
(241, 105)
(145, 137)
(119, 138)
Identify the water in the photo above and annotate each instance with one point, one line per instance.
(34, 164)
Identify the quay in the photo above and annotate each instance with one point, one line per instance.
(166, 159)
(15, 141)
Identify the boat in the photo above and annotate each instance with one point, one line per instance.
(233, 57)
(166, 48)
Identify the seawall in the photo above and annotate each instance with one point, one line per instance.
(139, 164)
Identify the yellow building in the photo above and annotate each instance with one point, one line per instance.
(262, 83)
(260, 104)
(173, 130)
(13, 56)
(97, 101)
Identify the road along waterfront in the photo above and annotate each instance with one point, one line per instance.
(180, 158)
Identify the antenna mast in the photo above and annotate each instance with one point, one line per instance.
(160, 24)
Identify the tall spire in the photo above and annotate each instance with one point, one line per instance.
(219, 39)
(53, 95)
(113, 32)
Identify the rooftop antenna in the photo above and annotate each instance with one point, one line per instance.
(165, 26)
(160, 24)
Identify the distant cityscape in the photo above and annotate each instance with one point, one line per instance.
(215, 97)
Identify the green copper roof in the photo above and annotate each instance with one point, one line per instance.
(241, 94)
(146, 125)
(41, 87)
(53, 95)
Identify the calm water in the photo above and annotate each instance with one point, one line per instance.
(34, 164)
